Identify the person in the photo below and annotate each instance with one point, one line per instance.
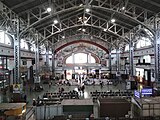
(50, 85)
(106, 118)
(93, 83)
(12, 100)
(59, 90)
(101, 84)
(92, 116)
(30, 89)
(25, 98)
(82, 88)
(62, 90)
(34, 102)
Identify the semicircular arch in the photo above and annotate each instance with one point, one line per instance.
(81, 41)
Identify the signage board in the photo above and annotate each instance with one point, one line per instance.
(16, 88)
(147, 91)
(137, 94)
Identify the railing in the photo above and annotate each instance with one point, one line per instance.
(136, 118)
(122, 118)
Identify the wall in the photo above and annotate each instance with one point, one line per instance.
(138, 54)
(6, 50)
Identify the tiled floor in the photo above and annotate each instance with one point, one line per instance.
(55, 88)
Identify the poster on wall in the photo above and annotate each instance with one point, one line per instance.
(59, 64)
(16, 88)
(103, 63)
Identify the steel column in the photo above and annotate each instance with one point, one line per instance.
(53, 61)
(47, 55)
(17, 54)
(73, 59)
(89, 58)
(110, 62)
(37, 79)
(118, 59)
(157, 51)
(131, 57)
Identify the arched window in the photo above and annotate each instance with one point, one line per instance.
(4, 38)
(143, 42)
(69, 59)
(43, 49)
(147, 58)
(33, 47)
(50, 52)
(80, 58)
(24, 45)
(113, 51)
(126, 48)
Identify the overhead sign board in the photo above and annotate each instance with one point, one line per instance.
(147, 91)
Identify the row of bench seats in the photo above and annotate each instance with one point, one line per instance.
(111, 93)
(63, 95)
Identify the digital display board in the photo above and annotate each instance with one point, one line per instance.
(147, 91)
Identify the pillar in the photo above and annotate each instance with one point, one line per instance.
(89, 58)
(110, 63)
(157, 51)
(53, 61)
(118, 59)
(47, 56)
(131, 57)
(17, 83)
(37, 78)
(73, 60)
(17, 55)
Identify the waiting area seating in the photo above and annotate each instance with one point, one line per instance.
(111, 93)
(56, 97)
(61, 95)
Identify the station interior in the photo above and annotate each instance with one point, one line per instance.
(79, 60)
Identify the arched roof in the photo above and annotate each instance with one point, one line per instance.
(72, 17)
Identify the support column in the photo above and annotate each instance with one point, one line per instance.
(118, 59)
(17, 84)
(157, 51)
(87, 67)
(110, 59)
(17, 55)
(37, 77)
(53, 61)
(47, 56)
(89, 59)
(73, 60)
(110, 63)
(131, 57)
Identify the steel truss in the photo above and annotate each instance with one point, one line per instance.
(94, 22)
(143, 17)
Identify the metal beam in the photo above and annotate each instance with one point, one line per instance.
(80, 26)
(42, 19)
(21, 4)
(152, 2)
(93, 7)
(125, 15)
